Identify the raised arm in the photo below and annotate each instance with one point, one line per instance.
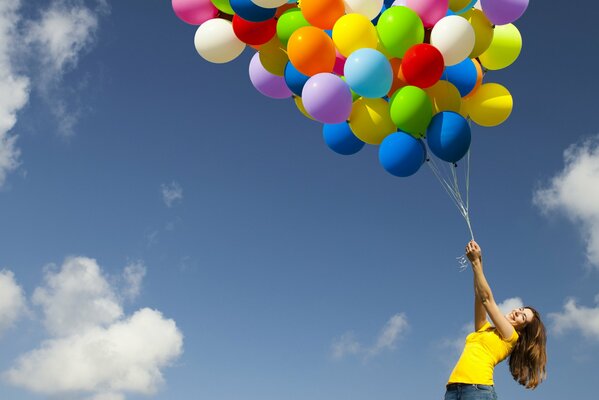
(485, 295)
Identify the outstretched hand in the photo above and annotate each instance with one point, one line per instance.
(473, 251)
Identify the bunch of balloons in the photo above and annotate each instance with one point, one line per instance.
(403, 74)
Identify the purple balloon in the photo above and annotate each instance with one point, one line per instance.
(268, 84)
(327, 98)
(501, 12)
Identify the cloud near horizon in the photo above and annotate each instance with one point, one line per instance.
(93, 349)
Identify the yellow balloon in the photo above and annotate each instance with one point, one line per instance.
(491, 105)
(458, 5)
(445, 97)
(483, 31)
(370, 120)
(274, 57)
(300, 106)
(504, 49)
(352, 32)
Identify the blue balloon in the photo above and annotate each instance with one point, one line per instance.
(448, 136)
(294, 79)
(341, 139)
(368, 73)
(376, 19)
(329, 32)
(401, 154)
(389, 3)
(462, 75)
(252, 12)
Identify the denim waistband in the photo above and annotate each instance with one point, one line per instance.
(455, 386)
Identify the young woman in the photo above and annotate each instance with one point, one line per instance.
(519, 334)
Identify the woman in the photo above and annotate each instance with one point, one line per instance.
(519, 334)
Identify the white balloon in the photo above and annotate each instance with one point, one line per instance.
(454, 37)
(368, 8)
(216, 42)
(269, 3)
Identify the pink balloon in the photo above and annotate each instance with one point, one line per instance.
(430, 11)
(339, 63)
(194, 12)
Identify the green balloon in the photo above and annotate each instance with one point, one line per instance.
(224, 6)
(354, 96)
(411, 110)
(290, 21)
(399, 29)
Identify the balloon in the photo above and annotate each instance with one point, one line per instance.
(463, 75)
(339, 63)
(461, 6)
(400, 28)
(399, 80)
(479, 79)
(327, 98)
(411, 110)
(491, 105)
(269, 3)
(454, 37)
(422, 65)
(216, 42)
(254, 33)
(322, 13)
(368, 73)
(401, 154)
(504, 49)
(294, 79)
(368, 8)
(194, 12)
(354, 96)
(352, 32)
(289, 22)
(502, 12)
(370, 120)
(300, 106)
(430, 11)
(448, 136)
(341, 139)
(483, 31)
(266, 83)
(251, 12)
(273, 57)
(311, 51)
(224, 6)
(444, 96)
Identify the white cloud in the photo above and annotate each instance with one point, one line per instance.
(575, 192)
(12, 300)
(171, 193)
(347, 344)
(93, 350)
(577, 318)
(14, 88)
(133, 274)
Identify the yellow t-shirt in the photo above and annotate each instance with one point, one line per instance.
(483, 350)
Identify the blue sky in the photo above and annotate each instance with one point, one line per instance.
(159, 205)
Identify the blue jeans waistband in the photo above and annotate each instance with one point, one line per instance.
(455, 386)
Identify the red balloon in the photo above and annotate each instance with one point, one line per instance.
(422, 65)
(254, 33)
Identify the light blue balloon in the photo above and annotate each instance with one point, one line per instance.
(448, 136)
(368, 73)
(341, 139)
(401, 154)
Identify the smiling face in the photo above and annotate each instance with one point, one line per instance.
(519, 317)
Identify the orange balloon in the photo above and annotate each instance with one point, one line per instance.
(398, 79)
(311, 51)
(479, 78)
(323, 13)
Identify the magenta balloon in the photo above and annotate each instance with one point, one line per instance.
(327, 98)
(194, 12)
(429, 11)
(268, 84)
(501, 12)
(339, 63)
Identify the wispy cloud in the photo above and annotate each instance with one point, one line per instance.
(171, 193)
(93, 349)
(574, 317)
(133, 275)
(387, 339)
(12, 300)
(575, 192)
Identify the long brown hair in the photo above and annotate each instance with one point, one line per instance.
(527, 360)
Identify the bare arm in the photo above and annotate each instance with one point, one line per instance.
(480, 314)
(484, 293)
